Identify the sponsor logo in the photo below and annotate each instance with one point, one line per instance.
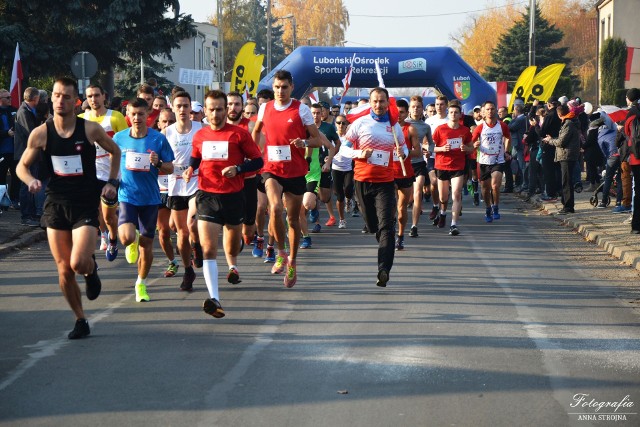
(462, 87)
(409, 65)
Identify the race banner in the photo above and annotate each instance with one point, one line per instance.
(523, 85)
(544, 83)
(247, 69)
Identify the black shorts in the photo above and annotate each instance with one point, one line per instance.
(487, 170)
(69, 215)
(179, 203)
(223, 209)
(472, 164)
(420, 169)
(250, 200)
(296, 186)
(431, 164)
(260, 184)
(405, 182)
(164, 201)
(311, 187)
(445, 175)
(325, 180)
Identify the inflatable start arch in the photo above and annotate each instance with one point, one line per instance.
(439, 67)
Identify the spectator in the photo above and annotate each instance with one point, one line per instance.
(26, 122)
(606, 131)
(7, 162)
(518, 128)
(550, 126)
(633, 95)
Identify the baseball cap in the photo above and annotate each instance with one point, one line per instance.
(477, 107)
(196, 107)
(324, 104)
(552, 100)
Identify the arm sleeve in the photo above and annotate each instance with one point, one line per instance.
(194, 162)
(251, 165)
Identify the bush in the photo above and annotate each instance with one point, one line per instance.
(613, 59)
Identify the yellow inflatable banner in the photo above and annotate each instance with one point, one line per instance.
(523, 85)
(544, 83)
(247, 69)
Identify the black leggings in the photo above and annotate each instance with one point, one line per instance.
(342, 184)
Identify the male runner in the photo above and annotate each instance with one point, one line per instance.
(491, 137)
(452, 143)
(66, 145)
(418, 163)
(112, 122)
(438, 119)
(287, 123)
(145, 154)
(146, 92)
(182, 194)
(404, 179)
(222, 152)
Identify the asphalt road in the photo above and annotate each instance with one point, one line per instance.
(507, 324)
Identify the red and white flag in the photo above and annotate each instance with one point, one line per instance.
(246, 95)
(314, 97)
(365, 109)
(16, 80)
(346, 82)
(617, 114)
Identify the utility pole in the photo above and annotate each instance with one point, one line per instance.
(268, 36)
(532, 32)
(220, 45)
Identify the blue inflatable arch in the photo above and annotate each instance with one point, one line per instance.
(439, 67)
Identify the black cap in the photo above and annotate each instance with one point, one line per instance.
(553, 100)
(633, 94)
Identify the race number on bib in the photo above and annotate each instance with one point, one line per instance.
(67, 165)
(455, 143)
(215, 150)
(379, 158)
(492, 145)
(137, 161)
(279, 153)
(163, 182)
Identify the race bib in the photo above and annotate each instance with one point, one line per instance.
(395, 156)
(379, 158)
(492, 145)
(67, 165)
(163, 182)
(279, 153)
(137, 161)
(215, 150)
(455, 143)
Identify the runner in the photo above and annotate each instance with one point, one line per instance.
(373, 142)
(286, 123)
(342, 170)
(438, 119)
(404, 182)
(491, 138)
(452, 143)
(145, 153)
(182, 194)
(222, 152)
(66, 145)
(112, 122)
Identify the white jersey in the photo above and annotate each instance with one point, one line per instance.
(434, 122)
(103, 162)
(342, 161)
(491, 150)
(181, 145)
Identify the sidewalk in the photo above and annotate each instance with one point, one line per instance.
(14, 236)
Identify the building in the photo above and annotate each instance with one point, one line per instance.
(619, 18)
(199, 53)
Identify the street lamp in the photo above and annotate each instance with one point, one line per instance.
(310, 39)
(293, 24)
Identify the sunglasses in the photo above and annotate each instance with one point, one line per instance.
(341, 123)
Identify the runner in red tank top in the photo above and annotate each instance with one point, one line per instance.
(289, 128)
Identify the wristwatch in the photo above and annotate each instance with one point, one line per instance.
(159, 164)
(114, 182)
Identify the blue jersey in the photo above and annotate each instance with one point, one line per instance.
(139, 181)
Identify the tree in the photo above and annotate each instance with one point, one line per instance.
(613, 59)
(114, 31)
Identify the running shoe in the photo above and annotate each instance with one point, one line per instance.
(434, 213)
(496, 212)
(258, 246)
(291, 277)
(141, 292)
(365, 230)
(488, 216)
(314, 215)
(80, 330)
(279, 265)
(383, 278)
(331, 222)
(356, 212)
(621, 209)
(196, 252)
(476, 199)
(343, 224)
(399, 243)
(233, 277)
(413, 232)
(306, 242)
(111, 252)
(104, 239)
(212, 307)
(453, 231)
(172, 270)
(441, 220)
(131, 253)
(187, 279)
(436, 220)
(316, 228)
(93, 285)
(271, 255)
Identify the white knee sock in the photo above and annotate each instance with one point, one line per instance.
(210, 273)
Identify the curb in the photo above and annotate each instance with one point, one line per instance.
(615, 244)
(23, 241)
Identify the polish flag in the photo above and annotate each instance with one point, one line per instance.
(16, 78)
(346, 82)
(365, 109)
(616, 114)
(314, 97)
